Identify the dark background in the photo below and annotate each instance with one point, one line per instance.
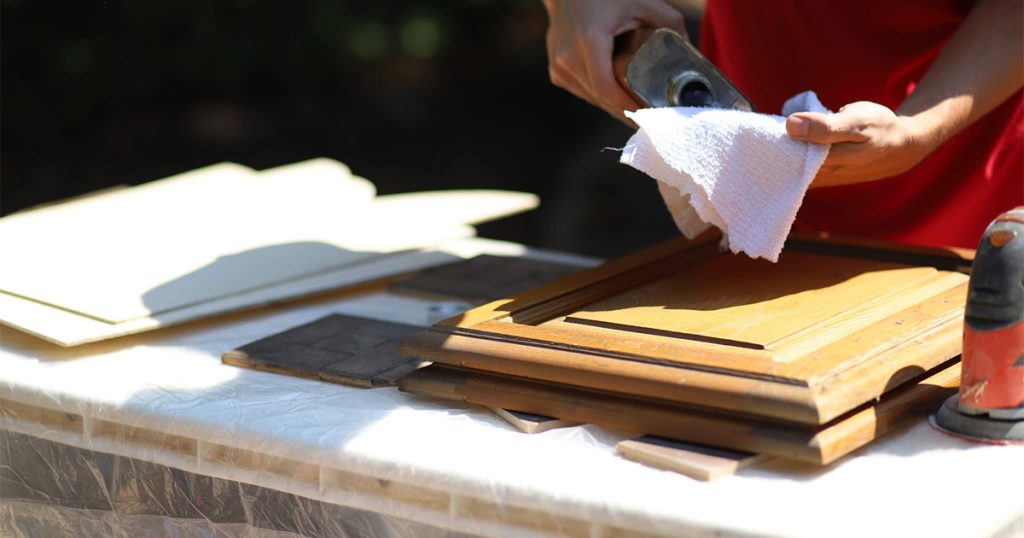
(412, 95)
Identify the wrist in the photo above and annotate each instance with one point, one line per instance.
(931, 125)
(925, 133)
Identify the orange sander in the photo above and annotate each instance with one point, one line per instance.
(990, 405)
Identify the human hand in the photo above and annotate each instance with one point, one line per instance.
(869, 142)
(580, 42)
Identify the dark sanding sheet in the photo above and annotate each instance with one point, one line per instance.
(484, 278)
(343, 349)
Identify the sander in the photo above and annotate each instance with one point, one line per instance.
(661, 68)
(990, 404)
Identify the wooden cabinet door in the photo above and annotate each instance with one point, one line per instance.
(829, 327)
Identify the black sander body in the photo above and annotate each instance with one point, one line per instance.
(990, 404)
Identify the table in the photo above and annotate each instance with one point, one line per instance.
(405, 465)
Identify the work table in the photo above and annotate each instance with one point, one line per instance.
(165, 397)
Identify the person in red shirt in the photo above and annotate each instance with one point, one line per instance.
(928, 135)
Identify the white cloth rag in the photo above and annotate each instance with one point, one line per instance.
(736, 170)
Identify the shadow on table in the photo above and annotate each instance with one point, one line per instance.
(249, 270)
(235, 290)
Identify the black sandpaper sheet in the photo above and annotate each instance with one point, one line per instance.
(338, 348)
(484, 278)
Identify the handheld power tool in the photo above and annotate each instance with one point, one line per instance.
(990, 404)
(666, 70)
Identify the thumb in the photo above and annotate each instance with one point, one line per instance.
(825, 128)
(659, 14)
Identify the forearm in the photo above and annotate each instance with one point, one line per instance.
(980, 67)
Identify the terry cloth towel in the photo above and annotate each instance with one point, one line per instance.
(736, 170)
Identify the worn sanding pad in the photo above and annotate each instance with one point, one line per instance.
(979, 428)
(336, 348)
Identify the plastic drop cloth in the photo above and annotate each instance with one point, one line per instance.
(50, 489)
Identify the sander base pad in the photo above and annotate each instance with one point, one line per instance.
(979, 428)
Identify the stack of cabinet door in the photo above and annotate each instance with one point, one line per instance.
(808, 358)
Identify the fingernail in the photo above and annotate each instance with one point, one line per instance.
(798, 126)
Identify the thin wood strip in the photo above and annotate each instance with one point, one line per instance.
(529, 422)
(697, 461)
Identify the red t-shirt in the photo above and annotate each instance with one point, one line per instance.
(874, 50)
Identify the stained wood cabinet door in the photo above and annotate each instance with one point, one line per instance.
(828, 328)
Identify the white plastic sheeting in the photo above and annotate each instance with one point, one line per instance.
(335, 454)
(49, 489)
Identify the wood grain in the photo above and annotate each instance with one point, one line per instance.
(803, 341)
(530, 422)
(578, 367)
(819, 445)
(720, 300)
(576, 290)
(695, 460)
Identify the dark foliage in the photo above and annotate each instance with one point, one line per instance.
(413, 95)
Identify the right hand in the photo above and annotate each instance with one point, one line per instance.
(580, 41)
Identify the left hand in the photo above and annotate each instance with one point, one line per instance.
(869, 142)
